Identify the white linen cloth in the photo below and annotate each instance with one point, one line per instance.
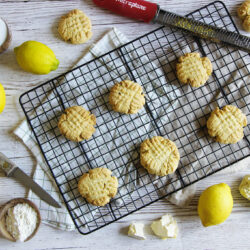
(60, 218)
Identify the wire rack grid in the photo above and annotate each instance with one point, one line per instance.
(172, 110)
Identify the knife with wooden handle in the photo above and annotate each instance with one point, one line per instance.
(151, 12)
(12, 170)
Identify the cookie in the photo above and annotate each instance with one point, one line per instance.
(244, 15)
(75, 27)
(244, 10)
(126, 97)
(77, 124)
(159, 156)
(246, 24)
(193, 69)
(98, 186)
(226, 124)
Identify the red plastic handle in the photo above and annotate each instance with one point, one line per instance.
(137, 9)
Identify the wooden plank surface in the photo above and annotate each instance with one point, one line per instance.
(37, 20)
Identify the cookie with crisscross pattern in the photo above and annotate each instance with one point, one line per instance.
(244, 10)
(226, 124)
(193, 70)
(244, 14)
(126, 97)
(159, 156)
(77, 123)
(75, 27)
(246, 24)
(98, 186)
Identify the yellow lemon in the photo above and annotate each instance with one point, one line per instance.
(36, 57)
(2, 98)
(215, 204)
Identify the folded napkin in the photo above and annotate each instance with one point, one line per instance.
(60, 218)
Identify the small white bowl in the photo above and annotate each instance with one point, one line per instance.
(3, 212)
(5, 45)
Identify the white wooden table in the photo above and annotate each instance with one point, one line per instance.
(37, 20)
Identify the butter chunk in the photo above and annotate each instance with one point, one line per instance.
(166, 227)
(245, 187)
(136, 231)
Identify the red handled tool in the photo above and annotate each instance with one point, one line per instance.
(151, 12)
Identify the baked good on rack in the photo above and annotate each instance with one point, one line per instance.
(244, 15)
(246, 24)
(75, 27)
(159, 156)
(226, 124)
(244, 10)
(98, 186)
(193, 69)
(77, 123)
(126, 97)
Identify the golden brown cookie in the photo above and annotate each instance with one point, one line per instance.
(75, 27)
(98, 186)
(159, 156)
(226, 124)
(126, 97)
(77, 123)
(246, 24)
(244, 10)
(193, 70)
(244, 15)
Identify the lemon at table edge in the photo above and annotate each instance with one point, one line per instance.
(215, 204)
(2, 98)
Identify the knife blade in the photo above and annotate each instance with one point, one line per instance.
(12, 170)
(151, 12)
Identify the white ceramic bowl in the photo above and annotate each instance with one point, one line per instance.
(6, 43)
(4, 210)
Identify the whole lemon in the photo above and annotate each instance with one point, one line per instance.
(215, 204)
(2, 98)
(36, 57)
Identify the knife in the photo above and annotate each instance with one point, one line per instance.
(151, 12)
(12, 170)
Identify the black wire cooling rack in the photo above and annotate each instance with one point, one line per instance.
(172, 110)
